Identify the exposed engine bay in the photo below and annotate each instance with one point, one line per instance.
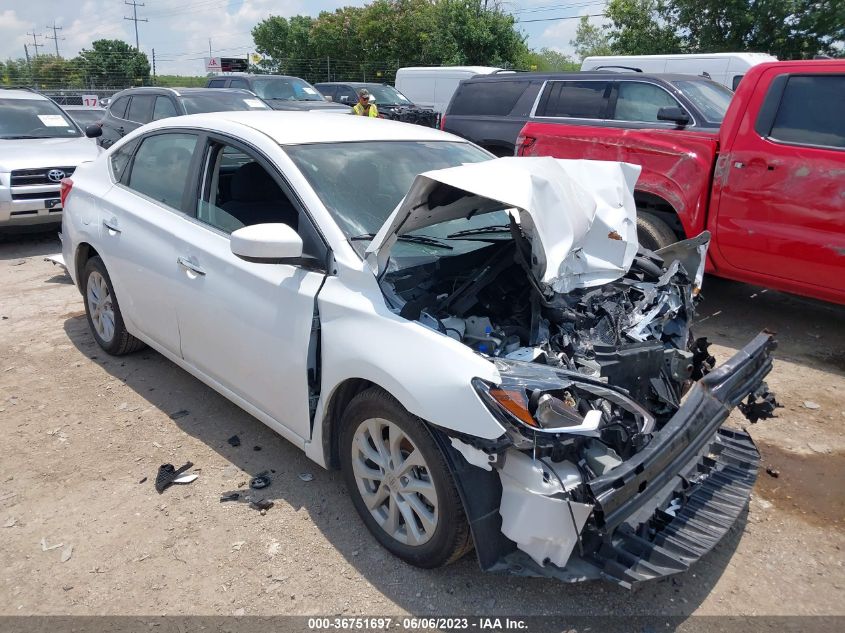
(627, 344)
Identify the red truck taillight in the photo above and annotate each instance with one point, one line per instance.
(442, 121)
(66, 186)
(524, 144)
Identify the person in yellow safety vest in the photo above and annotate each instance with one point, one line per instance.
(365, 107)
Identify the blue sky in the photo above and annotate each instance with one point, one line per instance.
(180, 30)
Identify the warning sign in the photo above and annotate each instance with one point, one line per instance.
(212, 65)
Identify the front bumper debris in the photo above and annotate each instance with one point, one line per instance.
(667, 506)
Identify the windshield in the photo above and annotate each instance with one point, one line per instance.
(86, 117)
(387, 95)
(219, 101)
(362, 183)
(287, 88)
(710, 98)
(34, 118)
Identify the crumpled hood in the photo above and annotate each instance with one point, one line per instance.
(578, 214)
(46, 152)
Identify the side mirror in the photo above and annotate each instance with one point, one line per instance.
(673, 114)
(93, 130)
(266, 243)
(344, 98)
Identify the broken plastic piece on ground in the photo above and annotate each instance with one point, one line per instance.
(232, 496)
(143, 479)
(185, 479)
(261, 504)
(67, 553)
(10, 522)
(56, 259)
(179, 414)
(809, 404)
(256, 448)
(262, 480)
(306, 476)
(234, 441)
(47, 548)
(774, 472)
(760, 405)
(167, 473)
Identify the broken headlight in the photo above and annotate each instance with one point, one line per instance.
(541, 402)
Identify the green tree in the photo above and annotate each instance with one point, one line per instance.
(590, 40)
(112, 64)
(639, 28)
(547, 60)
(474, 32)
(788, 29)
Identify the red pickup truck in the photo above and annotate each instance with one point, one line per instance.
(769, 184)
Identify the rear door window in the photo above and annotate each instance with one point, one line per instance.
(163, 109)
(575, 99)
(346, 94)
(161, 166)
(118, 108)
(638, 101)
(140, 109)
(490, 98)
(810, 111)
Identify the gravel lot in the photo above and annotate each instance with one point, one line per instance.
(82, 429)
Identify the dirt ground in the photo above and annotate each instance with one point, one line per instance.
(80, 431)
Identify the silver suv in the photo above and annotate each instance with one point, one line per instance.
(39, 145)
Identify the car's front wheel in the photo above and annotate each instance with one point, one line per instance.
(104, 317)
(400, 483)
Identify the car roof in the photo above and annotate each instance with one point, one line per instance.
(17, 93)
(296, 128)
(361, 84)
(82, 107)
(584, 76)
(177, 92)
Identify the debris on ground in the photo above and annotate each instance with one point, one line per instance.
(186, 479)
(256, 448)
(67, 553)
(231, 496)
(261, 504)
(10, 522)
(47, 548)
(234, 441)
(818, 448)
(261, 480)
(143, 479)
(774, 472)
(167, 474)
(237, 545)
(306, 476)
(179, 414)
(809, 404)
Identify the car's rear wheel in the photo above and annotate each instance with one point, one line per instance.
(652, 232)
(400, 483)
(103, 311)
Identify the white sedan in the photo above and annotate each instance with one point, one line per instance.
(478, 344)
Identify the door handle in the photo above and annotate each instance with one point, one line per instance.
(111, 225)
(194, 268)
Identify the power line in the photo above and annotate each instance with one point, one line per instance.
(135, 18)
(55, 36)
(571, 17)
(35, 41)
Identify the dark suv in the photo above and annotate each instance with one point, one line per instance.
(391, 103)
(281, 92)
(132, 108)
(490, 110)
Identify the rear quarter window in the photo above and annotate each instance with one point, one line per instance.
(496, 98)
(118, 108)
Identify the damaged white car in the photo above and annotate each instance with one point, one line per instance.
(479, 344)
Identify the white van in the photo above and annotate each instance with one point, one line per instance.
(725, 68)
(433, 86)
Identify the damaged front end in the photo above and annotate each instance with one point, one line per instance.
(614, 463)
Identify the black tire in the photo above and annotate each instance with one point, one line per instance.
(451, 538)
(652, 232)
(122, 342)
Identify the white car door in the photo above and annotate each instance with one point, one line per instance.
(247, 326)
(141, 219)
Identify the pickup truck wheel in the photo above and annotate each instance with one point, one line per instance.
(652, 232)
(399, 482)
(103, 311)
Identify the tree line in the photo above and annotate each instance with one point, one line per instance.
(370, 42)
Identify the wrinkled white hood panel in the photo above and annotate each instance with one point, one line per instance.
(579, 214)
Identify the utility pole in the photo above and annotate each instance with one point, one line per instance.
(154, 67)
(55, 37)
(135, 18)
(35, 41)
